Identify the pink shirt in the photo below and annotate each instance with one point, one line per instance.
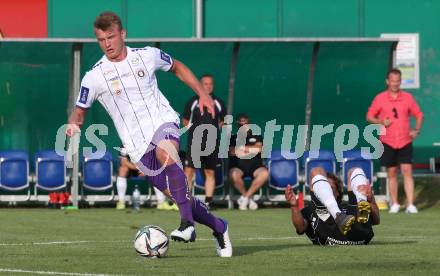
(397, 110)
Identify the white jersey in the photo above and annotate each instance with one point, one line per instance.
(129, 93)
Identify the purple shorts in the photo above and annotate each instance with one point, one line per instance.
(149, 164)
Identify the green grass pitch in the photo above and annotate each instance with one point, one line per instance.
(99, 241)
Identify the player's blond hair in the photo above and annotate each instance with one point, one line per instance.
(106, 19)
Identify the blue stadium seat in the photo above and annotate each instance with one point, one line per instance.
(14, 174)
(50, 171)
(282, 171)
(322, 158)
(98, 172)
(354, 158)
(219, 177)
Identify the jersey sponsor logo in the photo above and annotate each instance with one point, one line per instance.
(331, 241)
(135, 61)
(108, 72)
(84, 94)
(165, 57)
(125, 75)
(115, 86)
(140, 73)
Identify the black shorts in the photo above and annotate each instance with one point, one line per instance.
(392, 157)
(247, 169)
(207, 162)
(133, 173)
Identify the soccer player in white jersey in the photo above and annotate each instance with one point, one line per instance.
(124, 82)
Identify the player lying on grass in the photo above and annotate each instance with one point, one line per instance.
(124, 82)
(324, 221)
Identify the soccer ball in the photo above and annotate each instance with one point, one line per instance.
(151, 242)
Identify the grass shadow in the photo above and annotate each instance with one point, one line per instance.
(428, 193)
(250, 249)
(391, 242)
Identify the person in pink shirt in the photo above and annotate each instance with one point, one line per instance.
(392, 108)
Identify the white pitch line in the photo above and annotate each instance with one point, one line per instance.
(256, 239)
(124, 241)
(199, 239)
(53, 272)
(44, 243)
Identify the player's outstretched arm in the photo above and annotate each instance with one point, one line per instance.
(76, 120)
(297, 218)
(187, 76)
(375, 217)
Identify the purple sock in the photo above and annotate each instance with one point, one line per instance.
(179, 191)
(203, 216)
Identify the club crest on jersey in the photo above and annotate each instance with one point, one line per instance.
(165, 57)
(83, 95)
(141, 73)
(135, 61)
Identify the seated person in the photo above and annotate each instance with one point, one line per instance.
(324, 222)
(128, 169)
(246, 161)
